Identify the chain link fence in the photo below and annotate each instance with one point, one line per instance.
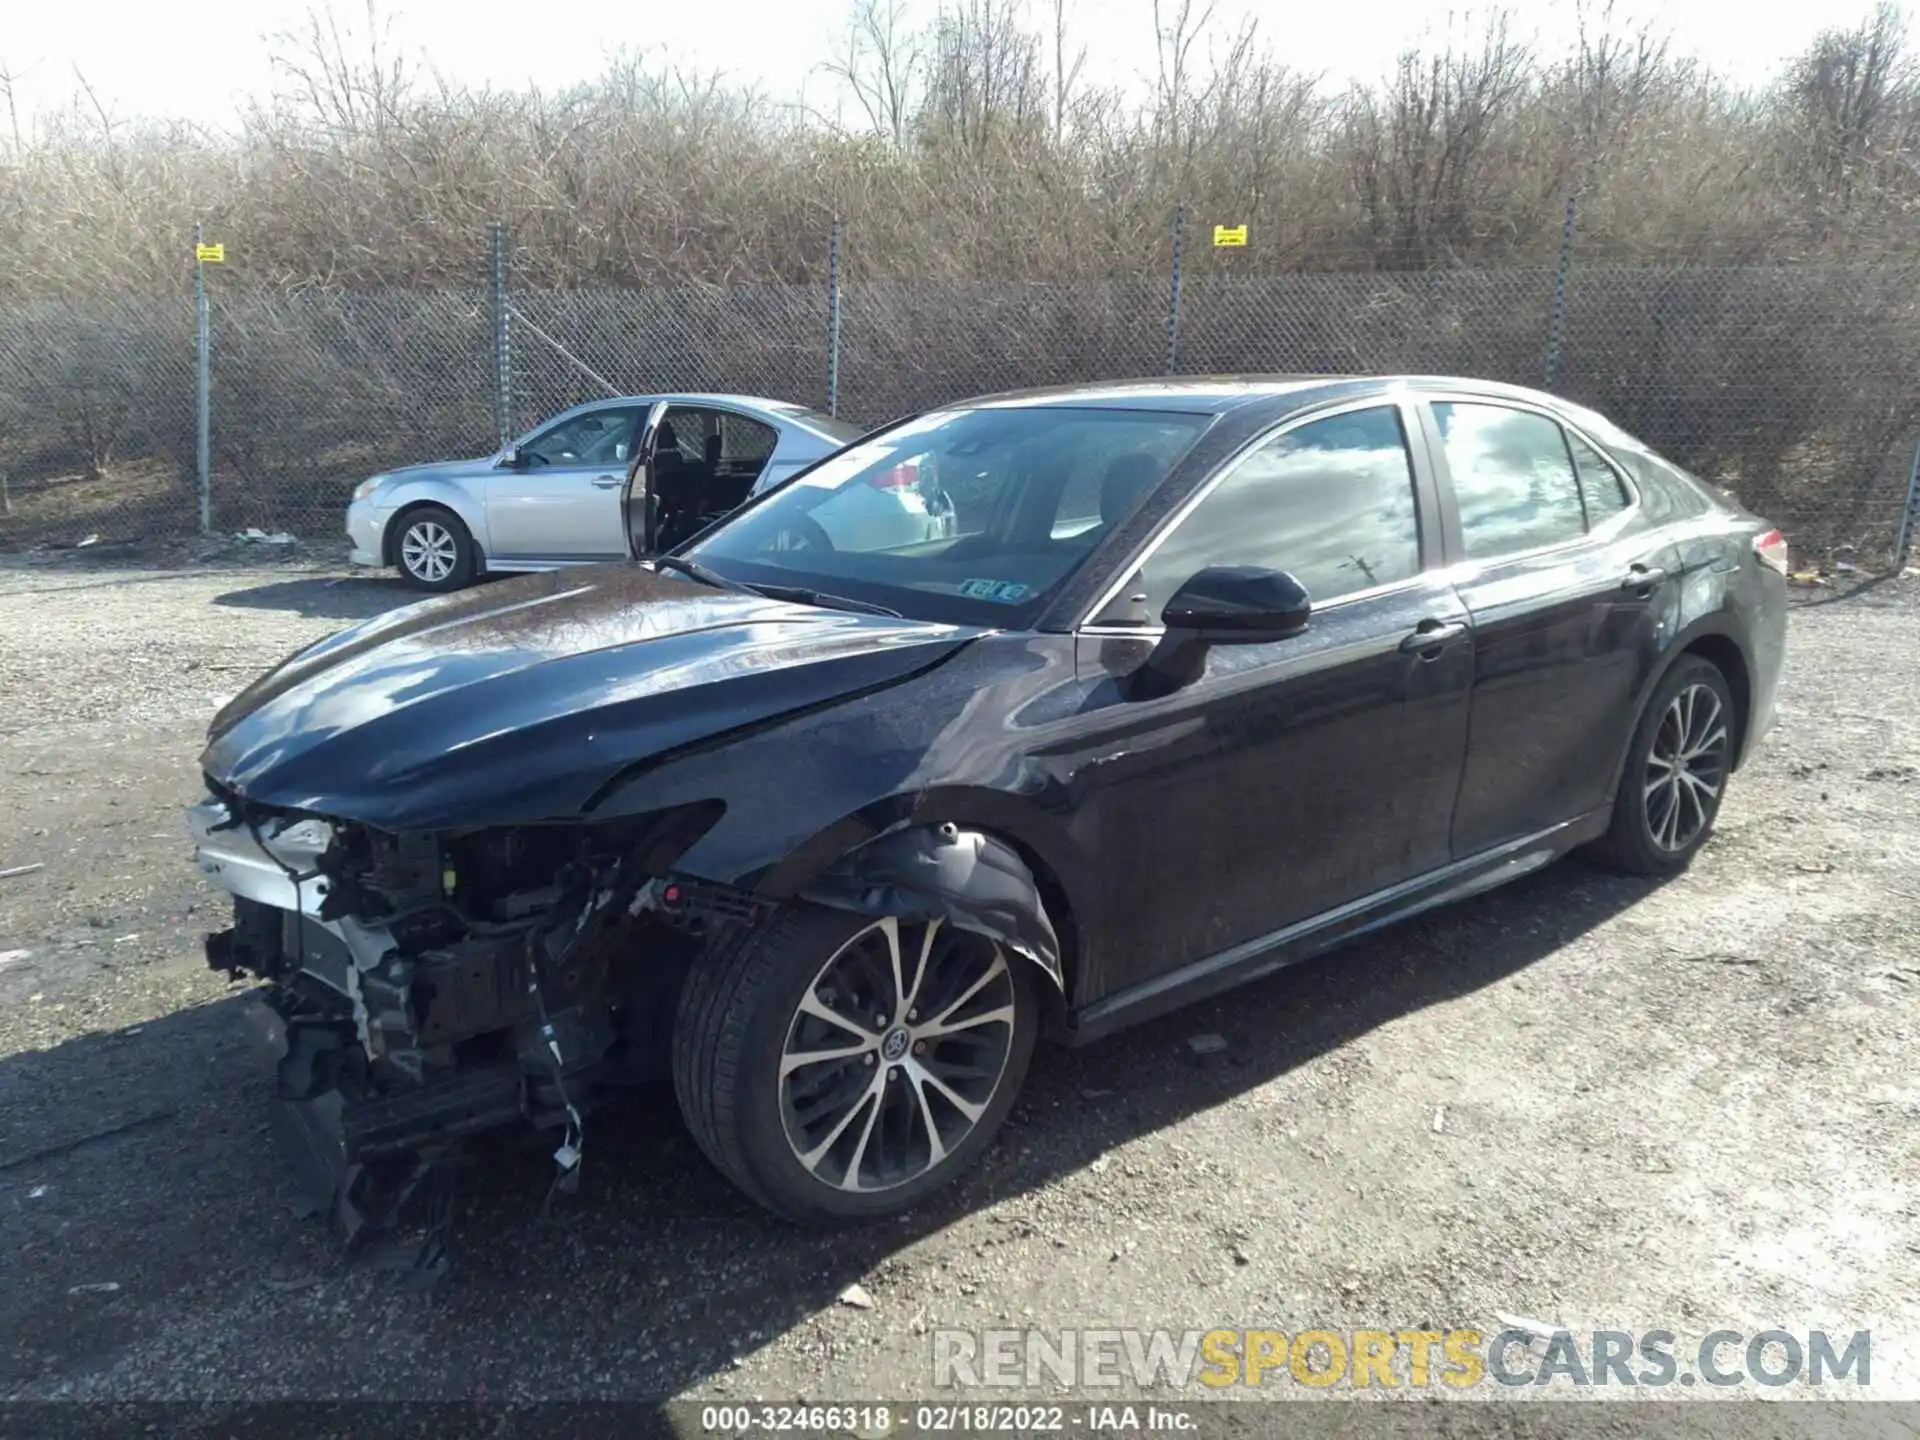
(96, 403)
(1793, 386)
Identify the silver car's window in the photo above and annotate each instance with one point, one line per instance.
(600, 437)
(1512, 478)
(968, 514)
(744, 440)
(744, 443)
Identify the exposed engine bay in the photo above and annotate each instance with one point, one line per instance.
(424, 988)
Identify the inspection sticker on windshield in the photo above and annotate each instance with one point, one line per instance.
(1007, 592)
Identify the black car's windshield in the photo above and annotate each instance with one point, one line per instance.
(970, 516)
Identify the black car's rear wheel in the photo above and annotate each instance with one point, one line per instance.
(839, 1067)
(1676, 772)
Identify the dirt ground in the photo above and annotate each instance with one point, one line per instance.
(1584, 1099)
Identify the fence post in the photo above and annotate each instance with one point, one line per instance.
(502, 338)
(1173, 295)
(833, 319)
(1909, 514)
(202, 385)
(1556, 319)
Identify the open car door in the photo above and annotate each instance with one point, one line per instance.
(638, 501)
(699, 464)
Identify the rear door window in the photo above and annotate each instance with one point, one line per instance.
(1601, 488)
(1513, 478)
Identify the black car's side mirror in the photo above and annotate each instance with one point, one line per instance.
(1223, 605)
(1239, 603)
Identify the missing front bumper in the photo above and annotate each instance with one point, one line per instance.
(423, 989)
(361, 1157)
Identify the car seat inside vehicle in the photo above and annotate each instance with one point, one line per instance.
(691, 493)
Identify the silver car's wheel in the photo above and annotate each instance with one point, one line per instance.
(894, 1052)
(805, 533)
(428, 551)
(434, 550)
(1686, 766)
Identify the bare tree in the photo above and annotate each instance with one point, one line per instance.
(1177, 27)
(1002, 157)
(9, 80)
(350, 85)
(1612, 72)
(985, 82)
(1251, 118)
(1850, 103)
(1421, 144)
(879, 60)
(1068, 61)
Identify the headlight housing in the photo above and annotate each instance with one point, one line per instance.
(364, 490)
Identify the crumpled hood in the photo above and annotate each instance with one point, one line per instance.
(518, 701)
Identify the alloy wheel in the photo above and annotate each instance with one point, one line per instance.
(429, 551)
(1686, 766)
(894, 1052)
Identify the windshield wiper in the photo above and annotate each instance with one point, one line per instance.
(694, 570)
(800, 595)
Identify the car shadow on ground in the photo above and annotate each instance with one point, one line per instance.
(655, 1275)
(341, 597)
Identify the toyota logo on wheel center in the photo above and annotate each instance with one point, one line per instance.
(895, 1045)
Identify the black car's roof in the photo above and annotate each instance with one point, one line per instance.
(1216, 394)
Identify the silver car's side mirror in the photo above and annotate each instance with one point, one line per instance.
(510, 458)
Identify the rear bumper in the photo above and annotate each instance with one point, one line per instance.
(1768, 652)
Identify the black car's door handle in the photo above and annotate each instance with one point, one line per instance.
(1429, 635)
(1643, 577)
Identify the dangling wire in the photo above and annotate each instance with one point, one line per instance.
(573, 1148)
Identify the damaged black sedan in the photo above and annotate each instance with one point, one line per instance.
(1208, 676)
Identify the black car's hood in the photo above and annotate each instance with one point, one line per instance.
(518, 701)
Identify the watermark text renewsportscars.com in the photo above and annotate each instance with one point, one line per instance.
(1416, 1358)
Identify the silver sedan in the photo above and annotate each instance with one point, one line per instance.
(610, 480)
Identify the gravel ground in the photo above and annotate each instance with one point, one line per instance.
(1583, 1098)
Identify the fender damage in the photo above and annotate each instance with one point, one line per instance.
(452, 939)
(943, 872)
(422, 989)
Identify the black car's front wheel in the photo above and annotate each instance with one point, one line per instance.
(1676, 772)
(840, 1067)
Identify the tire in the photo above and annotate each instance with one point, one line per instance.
(806, 533)
(434, 550)
(740, 1022)
(1660, 819)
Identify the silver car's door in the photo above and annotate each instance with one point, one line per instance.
(560, 498)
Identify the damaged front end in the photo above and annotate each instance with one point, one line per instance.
(423, 988)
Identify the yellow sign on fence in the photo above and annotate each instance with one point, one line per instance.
(210, 254)
(1229, 235)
